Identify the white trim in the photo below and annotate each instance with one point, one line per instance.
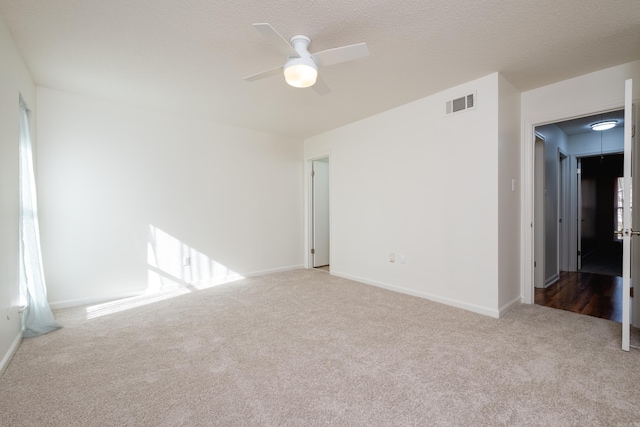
(539, 226)
(597, 153)
(563, 192)
(548, 119)
(526, 213)
(627, 219)
(106, 298)
(447, 301)
(508, 306)
(307, 205)
(12, 350)
(272, 270)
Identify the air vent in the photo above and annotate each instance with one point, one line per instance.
(461, 104)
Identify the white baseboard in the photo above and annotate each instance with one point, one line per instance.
(12, 350)
(447, 301)
(508, 306)
(551, 280)
(215, 281)
(273, 270)
(56, 305)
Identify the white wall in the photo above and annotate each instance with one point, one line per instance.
(126, 194)
(594, 143)
(15, 79)
(414, 182)
(508, 194)
(584, 95)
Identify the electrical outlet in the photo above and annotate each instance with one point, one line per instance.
(186, 261)
(9, 313)
(392, 257)
(403, 259)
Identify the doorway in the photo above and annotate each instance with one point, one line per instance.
(320, 223)
(577, 186)
(602, 184)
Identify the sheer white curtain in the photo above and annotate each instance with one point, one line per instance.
(37, 318)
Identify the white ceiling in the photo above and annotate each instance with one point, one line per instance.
(583, 124)
(189, 57)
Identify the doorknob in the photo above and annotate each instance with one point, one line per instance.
(626, 233)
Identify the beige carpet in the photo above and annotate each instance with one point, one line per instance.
(305, 348)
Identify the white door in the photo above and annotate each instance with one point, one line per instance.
(627, 226)
(320, 180)
(539, 277)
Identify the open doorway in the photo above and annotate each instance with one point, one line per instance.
(602, 185)
(580, 257)
(320, 214)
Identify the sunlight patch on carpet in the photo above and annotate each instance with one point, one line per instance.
(180, 262)
(112, 307)
(174, 268)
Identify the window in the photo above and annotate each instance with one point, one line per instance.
(37, 318)
(618, 207)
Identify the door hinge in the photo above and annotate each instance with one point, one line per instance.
(579, 253)
(631, 292)
(313, 251)
(579, 171)
(535, 264)
(313, 173)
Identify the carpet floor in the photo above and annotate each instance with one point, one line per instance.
(305, 348)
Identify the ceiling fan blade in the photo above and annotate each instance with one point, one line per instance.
(321, 87)
(276, 40)
(340, 54)
(263, 74)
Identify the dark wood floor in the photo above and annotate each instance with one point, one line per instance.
(585, 293)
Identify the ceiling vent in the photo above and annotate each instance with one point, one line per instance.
(461, 104)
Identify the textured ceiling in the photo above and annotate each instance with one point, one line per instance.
(189, 57)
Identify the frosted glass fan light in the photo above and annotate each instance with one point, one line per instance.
(300, 73)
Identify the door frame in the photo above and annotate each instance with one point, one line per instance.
(627, 260)
(308, 206)
(539, 216)
(527, 232)
(562, 230)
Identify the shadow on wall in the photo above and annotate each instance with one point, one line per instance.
(174, 269)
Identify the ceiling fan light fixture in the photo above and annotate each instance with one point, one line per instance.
(604, 125)
(300, 73)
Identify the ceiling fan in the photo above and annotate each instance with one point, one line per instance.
(301, 67)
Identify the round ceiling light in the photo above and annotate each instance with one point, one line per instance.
(604, 125)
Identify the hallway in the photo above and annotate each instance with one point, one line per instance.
(585, 293)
